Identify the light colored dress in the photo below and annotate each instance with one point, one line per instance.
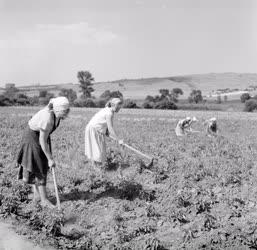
(181, 126)
(95, 145)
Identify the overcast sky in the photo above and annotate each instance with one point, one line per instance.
(48, 41)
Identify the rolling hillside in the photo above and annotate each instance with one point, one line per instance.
(140, 88)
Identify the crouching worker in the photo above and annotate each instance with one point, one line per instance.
(184, 126)
(35, 156)
(100, 126)
(212, 127)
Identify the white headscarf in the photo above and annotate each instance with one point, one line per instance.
(60, 103)
(113, 102)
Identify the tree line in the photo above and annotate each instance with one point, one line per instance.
(165, 99)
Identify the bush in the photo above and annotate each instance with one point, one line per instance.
(219, 99)
(129, 104)
(177, 91)
(89, 103)
(149, 98)
(43, 220)
(165, 104)
(244, 97)
(250, 105)
(100, 103)
(43, 101)
(21, 95)
(22, 101)
(107, 94)
(148, 105)
(42, 93)
(199, 106)
(11, 92)
(195, 96)
(5, 101)
(34, 100)
(12, 198)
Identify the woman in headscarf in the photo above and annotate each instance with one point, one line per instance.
(100, 126)
(184, 126)
(212, 127)
(35, 156)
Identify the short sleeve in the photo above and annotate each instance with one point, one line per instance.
(108, 113)
(45, 121)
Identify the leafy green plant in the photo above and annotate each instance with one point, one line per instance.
(47, 221)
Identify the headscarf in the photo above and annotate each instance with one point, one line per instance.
(113, 102)
(194, 119)
(189, 120)
(213, 119)
(60, 103)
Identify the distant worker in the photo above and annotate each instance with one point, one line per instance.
(184, 126)
(212, 127)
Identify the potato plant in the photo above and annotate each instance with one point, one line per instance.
(200, 193)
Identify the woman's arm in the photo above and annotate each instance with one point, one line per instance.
(43, 136)
(109, 121)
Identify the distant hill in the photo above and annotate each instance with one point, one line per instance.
(140, 88)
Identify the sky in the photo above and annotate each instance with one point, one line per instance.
(49, 41)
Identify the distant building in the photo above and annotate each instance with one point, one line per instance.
(9, 85)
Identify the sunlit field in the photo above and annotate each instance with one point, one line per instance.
(200, 193)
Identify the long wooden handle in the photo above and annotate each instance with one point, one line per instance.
(134, 150)
(137, 151)
(56, 190)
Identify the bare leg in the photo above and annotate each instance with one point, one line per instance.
(43, 196)
(36, 196)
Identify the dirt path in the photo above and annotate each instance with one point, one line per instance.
(9, 240)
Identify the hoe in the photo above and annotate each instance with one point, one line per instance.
(151, 159)
(56, 190)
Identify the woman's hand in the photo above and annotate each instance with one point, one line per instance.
(43, 136)
(51, 163)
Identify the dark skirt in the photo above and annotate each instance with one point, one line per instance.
(213, 128)
(32, 162)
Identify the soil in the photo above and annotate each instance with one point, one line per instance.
(9, 240)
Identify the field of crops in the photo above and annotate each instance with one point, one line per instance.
(200, 194)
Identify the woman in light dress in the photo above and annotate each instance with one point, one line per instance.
(100, 126)
(184, 126)
(35, 155)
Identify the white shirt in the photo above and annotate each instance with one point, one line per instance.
(42, 120)
(184, 123)
(99, 120)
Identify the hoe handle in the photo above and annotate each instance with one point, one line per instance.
(56, 190)
(135, 150)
